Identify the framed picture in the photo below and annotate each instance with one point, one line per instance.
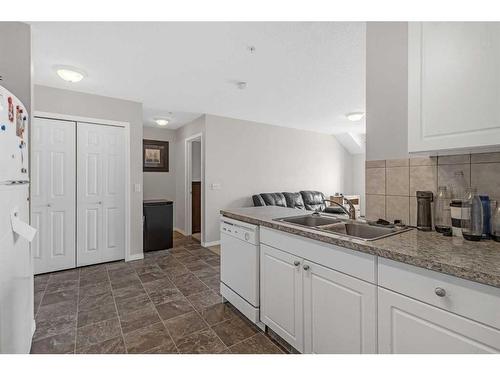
(154, 156)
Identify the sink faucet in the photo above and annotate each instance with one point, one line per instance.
(352, 210)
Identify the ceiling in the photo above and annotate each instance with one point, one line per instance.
(304, 75)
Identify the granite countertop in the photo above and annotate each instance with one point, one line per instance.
(475, 261)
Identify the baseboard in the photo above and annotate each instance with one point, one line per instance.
(212, 243)
(180, 231)
(135, 257)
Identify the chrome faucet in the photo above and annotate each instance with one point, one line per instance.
(352, 210)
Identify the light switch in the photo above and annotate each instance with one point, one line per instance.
(137, 188)
(215, 186)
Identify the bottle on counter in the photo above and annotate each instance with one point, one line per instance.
(443, 211)
(495, 221)
(459, 186)
(472, 216)
(457, 194)
(485, 201)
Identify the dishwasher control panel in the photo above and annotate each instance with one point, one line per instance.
(247, 233)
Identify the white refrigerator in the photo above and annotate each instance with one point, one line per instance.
(16, 268)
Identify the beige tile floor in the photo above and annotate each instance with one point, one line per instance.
(166, 303)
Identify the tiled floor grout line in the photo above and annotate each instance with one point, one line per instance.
(43, 295)
(116, 309)
(157, 313)
(194, 308)
(210, 289)
(77, 309)
(187, 299)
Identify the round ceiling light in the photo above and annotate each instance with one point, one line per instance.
(355, 116)
(161, 121)
(70, 74)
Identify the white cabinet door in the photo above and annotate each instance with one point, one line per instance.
(339, 312)
(453, 80)
(100, 194)
(408, 326)
(113, 194)
(53, 194)
(281, 294)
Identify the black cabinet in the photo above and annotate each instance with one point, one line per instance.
(158, 224)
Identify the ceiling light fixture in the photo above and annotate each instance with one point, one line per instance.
(355, 116)
(69, 73)
(161, 122)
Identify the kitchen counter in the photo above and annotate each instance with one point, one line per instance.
(475, 261)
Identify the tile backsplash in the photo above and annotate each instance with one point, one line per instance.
(391, 185)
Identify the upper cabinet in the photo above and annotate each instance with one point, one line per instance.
(453, 85)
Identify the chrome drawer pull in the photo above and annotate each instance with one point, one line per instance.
(440, 292)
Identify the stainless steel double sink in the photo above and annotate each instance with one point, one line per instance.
(344, 227)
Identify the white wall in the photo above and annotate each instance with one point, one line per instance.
(160, 185)
(15, 60)
(194, 127)
(196, 161)
(358, 179)
(246, 158)
(49, 99)
(386, 90)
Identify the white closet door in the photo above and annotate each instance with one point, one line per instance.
(100, 194)
(53, 194)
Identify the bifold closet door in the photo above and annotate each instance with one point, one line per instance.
(100, 193)
(53, 200)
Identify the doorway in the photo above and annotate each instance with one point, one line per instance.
(194, 173)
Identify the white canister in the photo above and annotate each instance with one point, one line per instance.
(456, 217)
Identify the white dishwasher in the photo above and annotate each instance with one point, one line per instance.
(239, 271)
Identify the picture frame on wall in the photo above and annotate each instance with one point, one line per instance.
(154, 156)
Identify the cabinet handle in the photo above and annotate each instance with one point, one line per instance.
(296, 263)
(306, 267)
(440, 292)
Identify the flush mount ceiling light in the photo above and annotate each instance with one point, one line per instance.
(241, 85)
(161, 121)
(69, 73)
(355, 116)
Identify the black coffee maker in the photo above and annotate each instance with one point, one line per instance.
(424, 210)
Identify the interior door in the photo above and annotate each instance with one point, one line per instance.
(100, 194)
(339, 312)
(196, 206)
(281, 294)
(408, 326)
(53, 194)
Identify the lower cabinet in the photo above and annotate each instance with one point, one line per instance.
(314, 308)
(281, 306)
(409, 326)
(339, 312)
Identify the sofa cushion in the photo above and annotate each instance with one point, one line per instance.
(313, 200)
(274, 199)
(258, 201)
(294, 200)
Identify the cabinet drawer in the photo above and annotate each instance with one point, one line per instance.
(350, 262)
(466, 298)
